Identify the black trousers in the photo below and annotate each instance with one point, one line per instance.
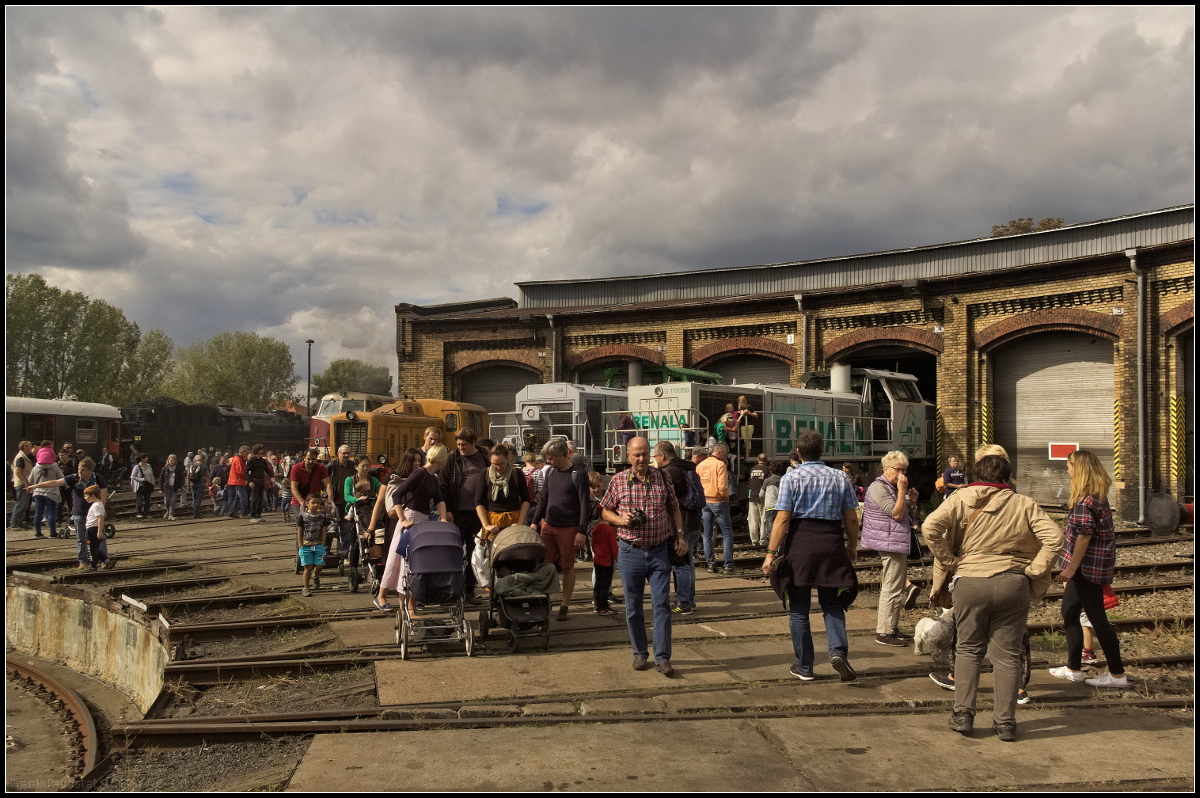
(603, 586)
(1083, 595)
(469, 526)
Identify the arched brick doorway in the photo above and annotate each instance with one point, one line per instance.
(902, 349)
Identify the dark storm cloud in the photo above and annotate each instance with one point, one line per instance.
(297, 171)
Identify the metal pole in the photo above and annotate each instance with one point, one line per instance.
(308, 393)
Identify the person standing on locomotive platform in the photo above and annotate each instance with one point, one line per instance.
(341, 469)
(814, 543)
(22, 465)
(239, 504)
(563, 512)
(460, 478)
(640, 502)
(258, 474)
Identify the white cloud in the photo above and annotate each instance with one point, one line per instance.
(297, 172)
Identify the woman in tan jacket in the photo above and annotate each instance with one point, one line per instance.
(993, 551)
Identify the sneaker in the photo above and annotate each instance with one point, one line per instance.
(613, 598)
(563, 613)
(942, 680)
(896, 633)
(730, 571)
(1066, 673)
(1023, 697)
(316, 582)
(799, 674)
(1006, 731)
(713, 569)
(54, 534)
(962, 722)
(605, 611)
(910, 596)
(306, 592)
(471, 598)
(82, 566)
(889, 640)
(1089, 657)
(842, 666)
(40, 535)
(381, 607)
(1108, 680)
(682, 610)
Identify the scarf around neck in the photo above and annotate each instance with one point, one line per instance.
(499, 481)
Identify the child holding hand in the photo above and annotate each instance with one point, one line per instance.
(97, 544)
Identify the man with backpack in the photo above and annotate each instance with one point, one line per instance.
(690, 494)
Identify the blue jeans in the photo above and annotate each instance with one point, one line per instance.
(47, 508)
(20, 508)
(799, 601)
(720, 512)
(637, 566)
(239, 502)
(685, 575)
(197, 497)
(81, 541)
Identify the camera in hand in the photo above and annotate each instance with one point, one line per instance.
(636, 517)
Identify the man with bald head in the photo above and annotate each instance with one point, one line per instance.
(640, 502)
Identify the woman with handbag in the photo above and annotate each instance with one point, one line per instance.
(993, 550)
(1086, 567)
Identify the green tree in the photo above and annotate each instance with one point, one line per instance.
(1017, 226)
(234, 368)
(352, 375)
(61, 344)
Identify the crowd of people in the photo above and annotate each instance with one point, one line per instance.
(994, 549)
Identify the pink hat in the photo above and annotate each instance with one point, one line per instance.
(45, 456)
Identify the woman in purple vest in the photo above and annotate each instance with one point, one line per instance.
(887, 528)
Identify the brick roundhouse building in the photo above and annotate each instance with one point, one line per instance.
(1021, 340)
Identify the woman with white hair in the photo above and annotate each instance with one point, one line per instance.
(887, 529)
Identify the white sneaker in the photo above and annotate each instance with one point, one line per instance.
(1108, 680)
(1066, 673)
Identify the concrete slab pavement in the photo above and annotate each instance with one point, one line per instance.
(884, 752)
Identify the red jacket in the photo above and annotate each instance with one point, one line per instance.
(604, 544)
(237, 471)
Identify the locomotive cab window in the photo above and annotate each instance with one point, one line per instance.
(451, 422)
(904, 391)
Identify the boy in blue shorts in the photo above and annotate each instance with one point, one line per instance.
(312, 529)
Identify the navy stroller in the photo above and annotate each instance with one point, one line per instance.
(435, 580)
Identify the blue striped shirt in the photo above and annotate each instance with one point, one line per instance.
(814, 490)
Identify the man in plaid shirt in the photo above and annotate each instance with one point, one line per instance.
(641, 504)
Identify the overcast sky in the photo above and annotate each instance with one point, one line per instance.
(298, 172)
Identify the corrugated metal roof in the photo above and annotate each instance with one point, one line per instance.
(1089, 239)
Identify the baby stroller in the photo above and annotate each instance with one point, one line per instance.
(110, 509)
(435, 580)
(366, 569)
(519, 550)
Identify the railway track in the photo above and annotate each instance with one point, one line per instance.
(73, 704)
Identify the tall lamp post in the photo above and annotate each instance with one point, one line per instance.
(308, 393)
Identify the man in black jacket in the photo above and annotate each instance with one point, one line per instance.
(258, 471)
(460, 477)
(339, 470)
(677, 470)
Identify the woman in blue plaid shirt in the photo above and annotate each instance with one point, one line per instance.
(1086, 564)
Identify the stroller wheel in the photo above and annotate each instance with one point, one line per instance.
(485, 621)
(374, 587)
(470, 634)
(110, 531)
(402, 638)
(545, 636)
(512, 641)
(354, 581)
(341, 566)
(298, 568)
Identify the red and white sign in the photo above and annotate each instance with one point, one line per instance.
(1060, 451)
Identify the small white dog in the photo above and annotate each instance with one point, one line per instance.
(932, 636)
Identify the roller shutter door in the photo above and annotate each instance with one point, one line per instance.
(496, 387)
(1187, 349)
(1053, 387)
(751, 368)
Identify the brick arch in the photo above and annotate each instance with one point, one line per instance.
(1057, 320)
(603, 354)
(1178, 318)
(466, 362)
(869, 337)
(743, 345)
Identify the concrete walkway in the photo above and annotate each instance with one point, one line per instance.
(893, 753)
